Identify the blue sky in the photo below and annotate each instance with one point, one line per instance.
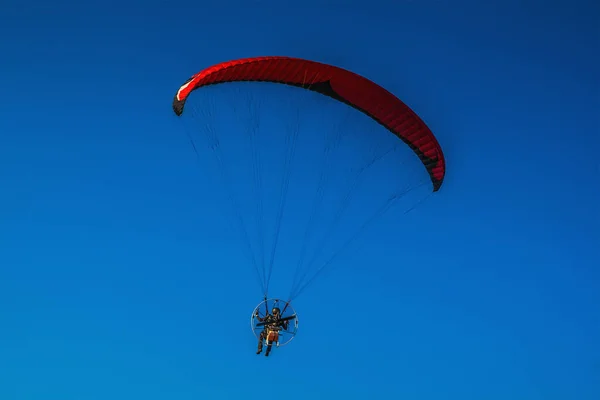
(120, 274)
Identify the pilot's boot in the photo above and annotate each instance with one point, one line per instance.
(260, 345)
(268, 351)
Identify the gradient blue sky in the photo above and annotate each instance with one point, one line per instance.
(113, 264)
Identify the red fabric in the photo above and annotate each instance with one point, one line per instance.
(349, 87)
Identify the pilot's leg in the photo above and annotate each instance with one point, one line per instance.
(268, 349)
(260, 342)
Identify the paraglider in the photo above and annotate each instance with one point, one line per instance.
(337, 83)
(273, 325)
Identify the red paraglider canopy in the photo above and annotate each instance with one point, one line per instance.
(338, 83)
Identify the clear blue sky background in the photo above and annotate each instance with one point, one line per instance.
(115, 267)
